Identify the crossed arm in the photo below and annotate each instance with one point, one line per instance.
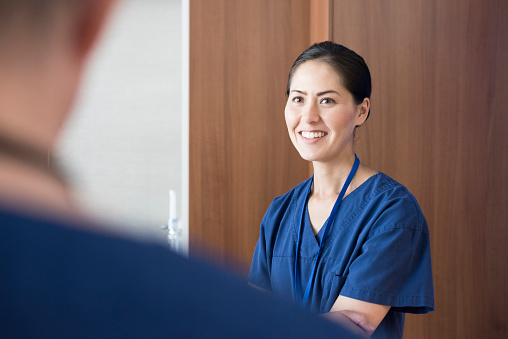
(359, 316)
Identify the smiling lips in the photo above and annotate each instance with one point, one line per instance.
(312, 135)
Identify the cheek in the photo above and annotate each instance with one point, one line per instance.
(342, 119)
(291, 118)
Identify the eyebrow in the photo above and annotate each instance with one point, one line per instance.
(318, 94)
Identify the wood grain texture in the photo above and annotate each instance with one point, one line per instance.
(439, 125)
(320, 16)
(241, 156)
(320, 30)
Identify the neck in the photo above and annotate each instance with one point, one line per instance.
(330, 177)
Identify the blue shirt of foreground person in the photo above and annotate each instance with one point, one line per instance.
(61, 281)
(60, 275)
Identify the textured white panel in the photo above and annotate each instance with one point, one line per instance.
(122, 147)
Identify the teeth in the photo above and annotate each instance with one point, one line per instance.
(312, 135)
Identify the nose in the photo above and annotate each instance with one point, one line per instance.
(310, 113)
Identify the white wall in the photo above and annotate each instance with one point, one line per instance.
(122, 147)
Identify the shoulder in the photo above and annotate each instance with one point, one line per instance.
(282, 202)
(284, 208)
(381, 186)
(294, 192)
(394, 204)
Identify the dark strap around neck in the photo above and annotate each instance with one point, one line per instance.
(326, 226)
(31, 156)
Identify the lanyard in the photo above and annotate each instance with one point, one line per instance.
(327, 226)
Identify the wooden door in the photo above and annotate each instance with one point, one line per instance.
(439, 125)
(240, 153)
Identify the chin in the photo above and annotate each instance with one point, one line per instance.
(309, 156)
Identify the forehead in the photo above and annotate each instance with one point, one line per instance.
(316, 74)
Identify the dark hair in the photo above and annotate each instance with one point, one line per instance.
(35, 15)
(351, 68)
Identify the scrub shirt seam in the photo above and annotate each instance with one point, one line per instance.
(415, 205)
(383, 188)
(392, 228)
(377, 191)
(385, 295)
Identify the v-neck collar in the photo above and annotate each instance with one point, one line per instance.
(310, 242)
(327, 227)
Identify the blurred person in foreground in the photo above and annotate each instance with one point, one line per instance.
(63, 276)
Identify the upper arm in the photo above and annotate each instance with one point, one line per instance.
(366, 315)
(393, 265)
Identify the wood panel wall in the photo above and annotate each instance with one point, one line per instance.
(320, 20)
(240, 154)
(439, 125)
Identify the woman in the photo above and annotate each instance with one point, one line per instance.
(360, 240)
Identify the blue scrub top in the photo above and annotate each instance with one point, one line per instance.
(377, 250)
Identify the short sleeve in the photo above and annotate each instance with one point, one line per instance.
(394, 265)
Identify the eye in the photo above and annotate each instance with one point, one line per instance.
(297, 99)
(327, 101)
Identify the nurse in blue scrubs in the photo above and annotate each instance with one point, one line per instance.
(349, 242)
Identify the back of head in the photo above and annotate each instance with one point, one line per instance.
(43, 48)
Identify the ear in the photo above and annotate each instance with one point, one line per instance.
(362, 112)
(91, 21)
